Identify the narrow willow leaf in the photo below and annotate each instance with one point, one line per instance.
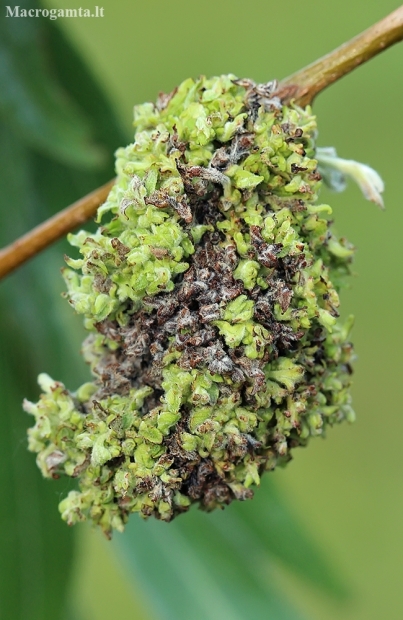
(85, 91)
(35, 548)
(282, 535)
(34, 104)
(58, 185)
(72, 613)
(37, 329)
(190, 570)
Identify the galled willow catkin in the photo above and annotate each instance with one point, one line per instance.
(210, 293)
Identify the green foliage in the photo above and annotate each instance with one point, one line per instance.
(206, 566)
(224, 564)
(44, 128)
(37, 106)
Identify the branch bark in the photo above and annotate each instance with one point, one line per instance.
(51, 230)
(302, 87)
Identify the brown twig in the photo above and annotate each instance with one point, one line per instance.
(303, 87)
(55, 227)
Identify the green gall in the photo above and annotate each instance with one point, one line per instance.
(210, 293)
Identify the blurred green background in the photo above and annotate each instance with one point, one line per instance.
(346, 490)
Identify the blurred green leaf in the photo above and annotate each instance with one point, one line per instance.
(281, 534)
(189, 569)
(73, 613)
(34, 103)
(73, 73)
(221, 564)
(35, 548)
(43, 125)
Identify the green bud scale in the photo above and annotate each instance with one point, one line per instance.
(210, 293)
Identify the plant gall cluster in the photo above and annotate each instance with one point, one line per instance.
(210, 293)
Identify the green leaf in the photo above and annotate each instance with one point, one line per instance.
(35, 548)
(85, 91)
(190, 569)
(221, 565)
(38, 331)
(283, 536)
(34, 104)
(72, 613)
